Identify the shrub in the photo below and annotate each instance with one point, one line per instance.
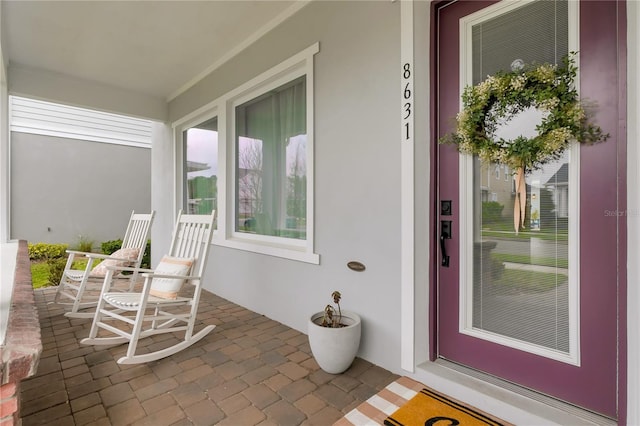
(109, 247)
(146, 258)
(84, 245)
(56, 268)
(42, 251)
(491, 211)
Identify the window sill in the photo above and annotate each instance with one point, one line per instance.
(277, 250)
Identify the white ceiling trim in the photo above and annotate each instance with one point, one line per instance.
(291, 10)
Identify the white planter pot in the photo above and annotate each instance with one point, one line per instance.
(335, 348)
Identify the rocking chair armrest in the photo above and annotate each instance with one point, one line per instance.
(108, 256)
(128, 268)
(95, 255)
(72, 257)
(103, 256)
(152, 274)
(106, 285)
(78, 253)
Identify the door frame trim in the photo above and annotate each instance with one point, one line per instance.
(423, 346)
(407, 191)
(625, 247)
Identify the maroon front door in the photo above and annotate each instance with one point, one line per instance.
(539, 308)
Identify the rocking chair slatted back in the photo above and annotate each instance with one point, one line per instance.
(73, 287)
(159, 309)
(190, 234)
(137, 231)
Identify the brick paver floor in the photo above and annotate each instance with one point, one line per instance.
(250, 370)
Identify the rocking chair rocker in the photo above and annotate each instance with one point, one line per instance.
(158, 308)
(75, 283)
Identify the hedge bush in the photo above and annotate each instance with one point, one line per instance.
(56, 268)
(43, 251)
(55, 258)
(109, 247)
(491, 211)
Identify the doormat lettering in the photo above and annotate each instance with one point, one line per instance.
(405, 402)
(431, 408)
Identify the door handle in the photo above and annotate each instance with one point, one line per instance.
(445, 234)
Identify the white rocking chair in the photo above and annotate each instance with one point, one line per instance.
(75, 284)
(158, 308)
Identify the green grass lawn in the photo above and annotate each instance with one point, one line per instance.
(40, 272)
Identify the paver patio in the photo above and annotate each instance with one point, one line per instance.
(250, 370)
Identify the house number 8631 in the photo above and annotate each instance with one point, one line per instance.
(407, 95)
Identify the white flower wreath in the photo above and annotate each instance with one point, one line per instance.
(499, 98)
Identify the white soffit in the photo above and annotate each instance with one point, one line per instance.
(159, 48)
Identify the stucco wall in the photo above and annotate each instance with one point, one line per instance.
(357, 173)
(62, 189)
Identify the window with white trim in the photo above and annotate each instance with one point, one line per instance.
(200, 144)
(270, 158)
(263, 161)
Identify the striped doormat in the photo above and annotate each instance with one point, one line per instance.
(406, 402)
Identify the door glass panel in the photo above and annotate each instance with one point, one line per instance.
(520, 280)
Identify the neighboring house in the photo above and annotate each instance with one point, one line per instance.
(558, 184)
(497, 185)
(372, 86)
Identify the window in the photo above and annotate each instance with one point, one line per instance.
(271, 169)
(201, 167)
(249, 155)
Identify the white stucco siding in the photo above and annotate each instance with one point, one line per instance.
(64, 190)
(357, 193)
(357, 173)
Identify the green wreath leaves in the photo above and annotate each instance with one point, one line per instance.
(500, 97)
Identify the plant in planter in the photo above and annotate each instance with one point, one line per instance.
(334, 336)
(330, 319)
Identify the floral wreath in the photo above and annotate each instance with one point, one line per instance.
(499, 98)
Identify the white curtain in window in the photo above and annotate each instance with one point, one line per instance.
(271, 162)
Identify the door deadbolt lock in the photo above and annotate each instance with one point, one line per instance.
(445, 207)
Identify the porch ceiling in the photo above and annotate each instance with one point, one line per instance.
(153, 47)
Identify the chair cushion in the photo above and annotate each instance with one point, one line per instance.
(168, 288)
(131, 254)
